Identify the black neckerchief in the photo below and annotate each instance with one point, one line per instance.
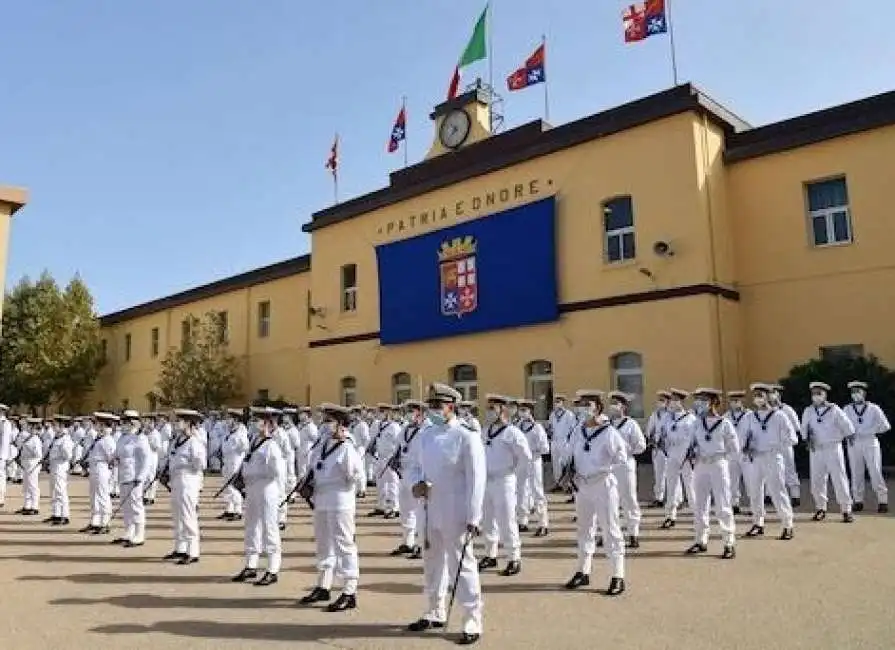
(860, 413)
(764, 422)
(178, 444)
(326, 453)
(709, 430)
(256, 445)
(410, 427)
(675, 420)
(590, 438)
(492, 436)
(821, 414)
(531, 425)
(737, 418)
(622, 423)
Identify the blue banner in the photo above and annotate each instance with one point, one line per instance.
(491, 273)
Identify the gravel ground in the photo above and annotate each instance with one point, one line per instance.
(831, 587)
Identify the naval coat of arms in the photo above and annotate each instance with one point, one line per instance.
(459, 277)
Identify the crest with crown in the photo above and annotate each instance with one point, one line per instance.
(457, 248)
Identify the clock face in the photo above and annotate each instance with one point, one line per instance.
(454, 129)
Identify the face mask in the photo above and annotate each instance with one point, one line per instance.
(818, 398)
(857, 396)
(493, 414)
(700, 406)
(559, 406)
(615, 412)
(760, 402)
(590, 411)
(107, 429)
(661, 404)
(736, 405)
(525, 414)
(675, 405)
(437, 417)
(774, 398)
(135, 428)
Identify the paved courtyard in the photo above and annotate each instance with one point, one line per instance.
(832, 587)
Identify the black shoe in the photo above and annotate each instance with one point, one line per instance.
(513, 567)
(425, 624)
(102, 530)
(223, 515)
(266, 580)
(858, 506)
(786, 535)
(616, 587)
(343, 602)
(131, 544)
(523, 528)
(371, 484)
(51, 520)
(668, 524)
(570, 500)
(755, 531)
(542, 531)
(394, 514)
(820, 515)
(578, 580)
(768, 501)
(416, 554)
(145, 502)
(736, 510)
(281, 526)
(697, 548)
(633, 542)
(467, 638)
(175, 555)
(186, 560)
(795, 502)
(361, 495)
(119, 540)
(729, 553)
(657, 503)
(487, 563)
(847, 517)
(403, 549)
(882, 508)
(64, 521)
(150, 502)
(599, 541)
(376, 512)
(245, 575)
(317, 595)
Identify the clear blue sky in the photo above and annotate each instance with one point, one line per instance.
(170, 143)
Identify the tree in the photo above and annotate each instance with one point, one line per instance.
(201, 374)
(837, 372)
(50, 350)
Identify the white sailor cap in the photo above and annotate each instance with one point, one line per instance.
(818, 385)
(62, 418)
(237, 413)
(304, 409)
(707, 392)
(33, 420)
(413, 404)
(620, 396)
(760, 386)
(586, 394)
(858, 384)
(663, 393)
(4, 407)
(679, 393)
(527, 403)
(354, 408)
(443, 394)
(736, 394)
(130, 414)
(265, 411)
(290, 410)
(187, 414)
(777, 388)
(104, 415)
(466, 403)
(560, 397)
(339, 413)
(494, 398)
(384, 406)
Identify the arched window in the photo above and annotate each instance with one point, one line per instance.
(348, 389)
(402, 387)
(465, 378)
(539, 386)
(627, 376)
(618, 229)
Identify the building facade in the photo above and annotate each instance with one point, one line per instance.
(678, 245)
(12, 199)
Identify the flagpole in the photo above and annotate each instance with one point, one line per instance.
(489, 25)
(546, 81)
(336, 173)
(671, 41)
(404, 111)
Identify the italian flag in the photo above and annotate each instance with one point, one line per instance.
(476, 50)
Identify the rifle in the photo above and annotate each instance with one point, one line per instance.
(304, 488)
(237, 482)
(747, 448)
(566, 480)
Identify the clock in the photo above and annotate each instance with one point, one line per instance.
(454, 129)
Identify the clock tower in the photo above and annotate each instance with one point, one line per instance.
(461, 121)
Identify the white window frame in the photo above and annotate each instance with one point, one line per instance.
(617, 233)
(264, 321)
(349, 292)
(468, 388)
(531, 379)
(628, 372)
(348, 392)
(828, 215)
(402, 391)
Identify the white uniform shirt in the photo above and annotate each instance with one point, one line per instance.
(235, 444)
(62, 450)
(472, 422)
(154, 438)
(387, 433)
(360, 433)
(654, 425)
(506, 449)
(767, 431)
(715, 437)
(307, 435)
(451, 459)
(677, 432)
(632, 434)
(534, 433)
(263, 464)
(409, 442)
(132, 453)
(187, 457)
(739, 420)
(562, 423)
(102, 452)
(337, 467)
(31, 450)
(596, 450)
(827, 425)
(867, 418)
(6, 438)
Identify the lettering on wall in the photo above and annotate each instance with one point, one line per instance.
(470, 206)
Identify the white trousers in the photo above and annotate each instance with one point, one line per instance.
(13, 471)
(283, 513)
(100, 495)
(626, 477)
(660, 462)
(336, 550)
(31, 486)
(151, 489)
(711, 479)
(113, 481)
(3, 477)
(387, 485)
(768, 474)
(411, 510)
(556, 455)
(533, 495)
(753, 485)
(738, 492)
(499, 517)
(360, 483)
(793, 484)
(233, 501)
(133, 512)
(449, 558)
(596, 507)
(291, 478)
(59, 492)
(828, 463)
(185, 515)
(864, 453)
(262, 533)
(369, 467)
(677, 471)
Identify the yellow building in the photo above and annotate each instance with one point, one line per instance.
(12, 199)
(690, 248)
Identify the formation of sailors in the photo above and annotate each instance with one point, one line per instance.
(448, 478)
